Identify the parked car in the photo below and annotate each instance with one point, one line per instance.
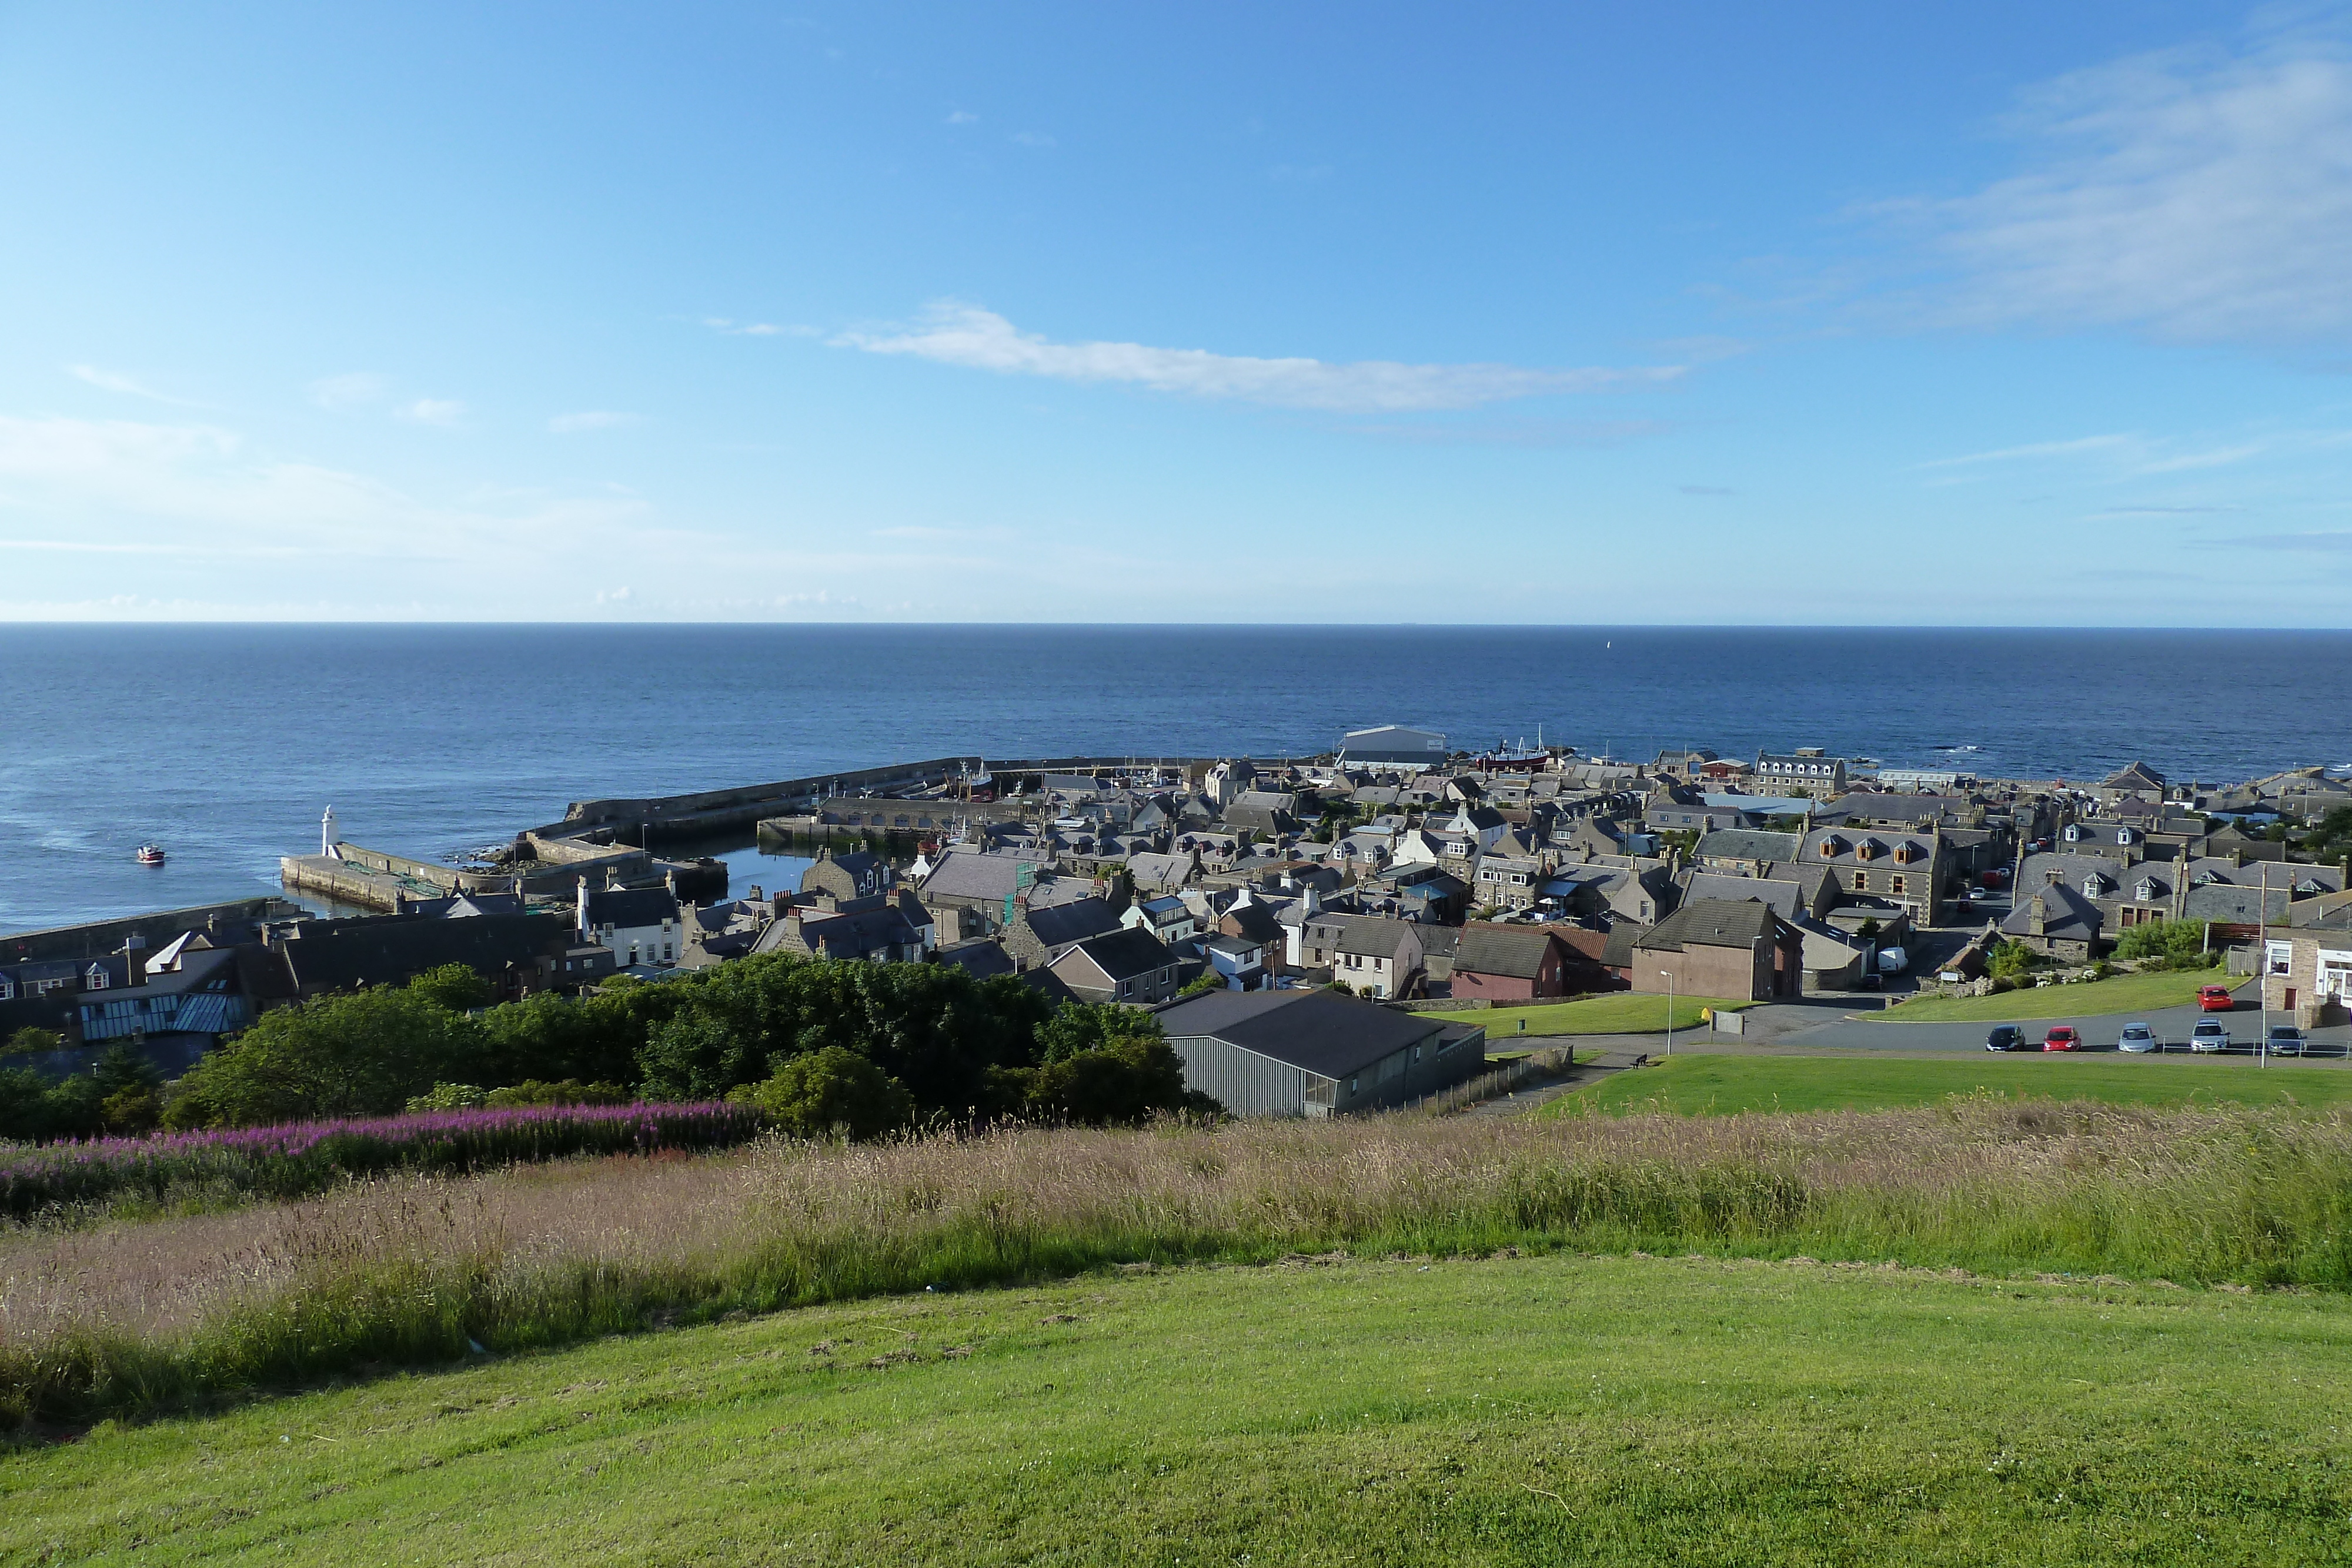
(2215, 999)
(2209, 1036)
(2007, 1037)
(2285, 1039)
(2137, 1039)
(2062, 1038)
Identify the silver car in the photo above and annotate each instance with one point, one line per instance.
(2209, 1035)
(2137, 1039)
(2285, 1039)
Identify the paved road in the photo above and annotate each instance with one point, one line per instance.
(1818, 1024)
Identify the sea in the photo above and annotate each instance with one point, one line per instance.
(224, 743)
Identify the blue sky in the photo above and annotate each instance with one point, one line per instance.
(1977, 314)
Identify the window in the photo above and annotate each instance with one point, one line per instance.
(95, 978)
(1862, 881)
(1895, 884)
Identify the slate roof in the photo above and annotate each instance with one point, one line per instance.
(337, 955)
(1784, 899)
(1747, 844)
(2067, 915)
(631, 906)
(1373, 935)
(1122, 954)
(1059, 923)
(983, 958)
(1320, 1032)
(1517, 951)
(1710, 923)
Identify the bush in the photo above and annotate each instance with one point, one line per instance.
(832, 1093)
(364, 1054)
(2013, 959)
(2167, 945)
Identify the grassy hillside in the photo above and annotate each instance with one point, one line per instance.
(1530, 1411)
(2092, 998)
(1727, 1085)
(1625, 1012)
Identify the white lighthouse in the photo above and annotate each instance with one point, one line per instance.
(327, 833)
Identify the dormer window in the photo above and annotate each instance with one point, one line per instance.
(2123, 835)
(2074, 832)
(2143, 889)
(1906, 851)
(1833, 846)
(1866, 849)
(94, 978)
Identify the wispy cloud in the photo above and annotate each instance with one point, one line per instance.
(2162, 511)
(747, 329)
(2196, 194)
(443, 412)
(2080, 446)
(955, 334)
(589, 419)
(2326, 542)
(128, 386)
(962, 117)
(1531, 432)
(355, 389)
(1032, 139)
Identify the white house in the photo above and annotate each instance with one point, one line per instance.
(639, 926)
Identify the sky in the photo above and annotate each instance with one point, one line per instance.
(1948, 314)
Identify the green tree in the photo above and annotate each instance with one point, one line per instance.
(32, 1038)
(453, 985)
(2180, 944)
(367, 1053)
(832, 1092)
(1201, 984)
(1079, 1027)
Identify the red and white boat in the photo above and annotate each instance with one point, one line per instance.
(151, 854)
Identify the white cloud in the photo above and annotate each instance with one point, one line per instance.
(962, 117)
(2194, 194)
(614, 596)
(1032, 139)
(966, 335)
(130, 386)
(349, 390)
(589, 419)
(743, 329)
(2080, 446)
(125, 487)
(438, 411)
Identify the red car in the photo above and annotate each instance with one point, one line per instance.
(2214, 1000)
(2062, 1039)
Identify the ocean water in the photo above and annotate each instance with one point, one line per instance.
(224, 743)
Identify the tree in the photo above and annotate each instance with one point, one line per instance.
(366, 1053)
(453, 985)
(1201, 984)
(2180, 944)
(831, 1092)
(1079, 1027)
(1125, 1081)
(32, 1038)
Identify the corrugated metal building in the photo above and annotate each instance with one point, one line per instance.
(1316, 1054)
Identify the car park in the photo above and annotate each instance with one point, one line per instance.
(2285, 1039)
(2215, 999)
(2062, 1038)
(2209, 1037)
(2138, 1040)
(2007, 1037)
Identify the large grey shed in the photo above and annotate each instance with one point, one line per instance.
(1316, 1054)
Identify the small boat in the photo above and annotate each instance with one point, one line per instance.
(151, 854)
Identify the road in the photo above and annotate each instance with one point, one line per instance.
(1821, 1024)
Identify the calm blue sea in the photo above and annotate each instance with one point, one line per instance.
(225, 742)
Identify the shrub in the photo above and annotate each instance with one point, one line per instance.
(832, 1093)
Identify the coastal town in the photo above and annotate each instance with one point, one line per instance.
(1317, 935)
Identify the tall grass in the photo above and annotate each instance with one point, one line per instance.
(296, 1158)
(413, 1270)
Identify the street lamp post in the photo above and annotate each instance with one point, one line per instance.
(1668, 976)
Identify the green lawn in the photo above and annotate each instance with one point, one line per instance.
(1599, 1411)
(1726, 1085)
(1623, 1012)
(2092, 998)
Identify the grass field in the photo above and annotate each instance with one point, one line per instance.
(1536, 1411)
(1727, 1085)
(2092, 998)
(1624, 1012)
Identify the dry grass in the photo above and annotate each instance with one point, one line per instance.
(130, 1317)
